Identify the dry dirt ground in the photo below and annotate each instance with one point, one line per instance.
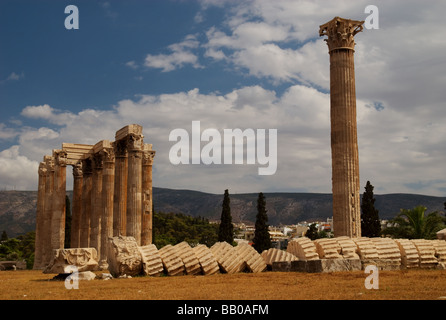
(393, 285)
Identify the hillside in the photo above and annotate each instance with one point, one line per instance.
(18, 208)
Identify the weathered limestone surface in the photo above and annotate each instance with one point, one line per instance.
(344, 139)
(348, 247)
(276, 255)
(123, 256)
(409, 254)
(426, 251)
(366, 249)
(208, 263)
(440, 250)
(388, 250)
(187, 255)
(253, 260)
(227, 257)
(171, 261)
(152, 264)
(85, 259)
(303, 248)
(328, 248)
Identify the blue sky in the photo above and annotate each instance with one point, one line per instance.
(229, 64)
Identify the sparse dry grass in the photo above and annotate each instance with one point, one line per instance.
(411, 284)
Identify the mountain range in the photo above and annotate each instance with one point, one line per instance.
(18, 208)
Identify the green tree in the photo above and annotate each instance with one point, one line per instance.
(225, 230)
(312, 232)
(370, 223)
(4, 236)
(415, 224)
(262, 239)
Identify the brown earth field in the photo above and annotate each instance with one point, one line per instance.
(420, 284)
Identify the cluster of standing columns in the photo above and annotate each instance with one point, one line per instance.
(112, 195)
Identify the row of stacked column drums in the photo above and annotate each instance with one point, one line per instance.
(112, 195)
(385, 253)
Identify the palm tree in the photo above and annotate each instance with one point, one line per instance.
(415, 224)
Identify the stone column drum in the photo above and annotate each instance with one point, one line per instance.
(58, 212)
(344, 140)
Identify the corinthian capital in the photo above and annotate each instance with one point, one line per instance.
(340, 33)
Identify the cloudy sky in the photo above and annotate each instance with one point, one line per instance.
(256, 64)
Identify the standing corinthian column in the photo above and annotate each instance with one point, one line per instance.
(40, 216)
(147, 202)
(134, 184)
(77, 205)
(344, 140)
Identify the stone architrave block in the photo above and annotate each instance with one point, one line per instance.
(348, 247)
(171, 261)
(303, 248)
(328, 248)
(253, 260)
(84, 259)
(123, 256)
(276, 255)
(426, 251)
(190, 261)
(366, 249)
(152, 265)
(227, 257)
(409, 254)
(208, 263)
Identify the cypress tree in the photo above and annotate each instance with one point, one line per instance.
(370, 224)
(262, 240)
(225, 230)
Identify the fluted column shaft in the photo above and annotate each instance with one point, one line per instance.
(120, 189)
(344, 139)
(40, 216)
(77, 205)
(59, 204)
(96, 202)
(108, 180)
(86, 204)
(147, 204)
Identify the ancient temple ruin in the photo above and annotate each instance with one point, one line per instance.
(112, 195)
(344, 138)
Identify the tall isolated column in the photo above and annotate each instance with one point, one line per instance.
(59, 204)
(344, 140)
(77, 205)
(147, 202)
(134, 184)
(40, 216)
(108, 181)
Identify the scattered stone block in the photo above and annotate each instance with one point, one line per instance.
(172, 262)
(388, 251)
(86, 275)
(152, 265)
(253, 260)
(409, 254)
(276, 255)
(366, 249)
(227, 257)
(208, 263)
(303, 248)
(123, 256)
(328, 248)
(84, 259)
(348, 247)
(190, 261)
(440, 250)
(426, 251)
